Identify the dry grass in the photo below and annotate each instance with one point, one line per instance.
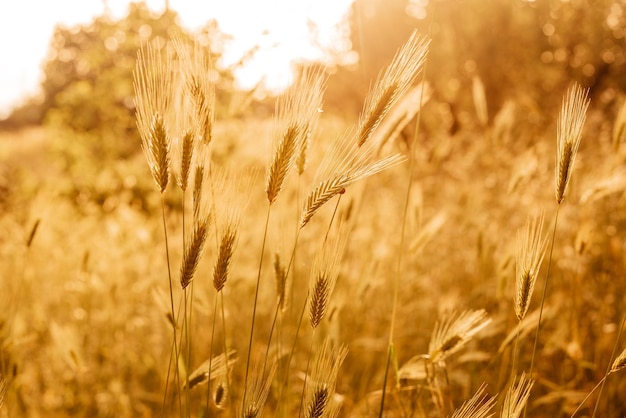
(85, 328)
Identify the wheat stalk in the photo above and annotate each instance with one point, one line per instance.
(530, 252)
(569, 135)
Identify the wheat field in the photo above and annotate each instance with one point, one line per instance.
(309, 265)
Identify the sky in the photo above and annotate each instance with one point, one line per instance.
(279, 27)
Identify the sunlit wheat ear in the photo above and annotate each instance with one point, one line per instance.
(321, 385)
(531, 246)
(391, 84)
(296, 116)
(216, 367)
(517, 397)
(479, 406)
(619, 363)
(280, 274)
(224, 255)
(199, 85)
(152, 85)
(281, 163)
(201, 180)
(192, 251)
(258, 387)
(453, 332)
(569, 135)
(324, 273)
(336, 184)
(183, 153)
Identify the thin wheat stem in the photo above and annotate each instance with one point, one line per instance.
(169, 274)
(543, 298)
(211, 351)
(608, 367)
(225, 347)
(600, 383)
(306, 374)
(256, 298)
(405, 211)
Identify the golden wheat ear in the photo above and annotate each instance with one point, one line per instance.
(258, 388)
(391, 84)
(192, 252)
(517, 397)
(216, 367)
(619, 363)
(453, 332)
(321, 387)
(153, 89)
(478, 406)
(531, 246)
(569, 135)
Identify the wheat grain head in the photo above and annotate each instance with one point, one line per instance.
(321, 385)
(569, 135)
(517, 397)
(453, 332)
(530, 252)
(478, 406)
(153, 88)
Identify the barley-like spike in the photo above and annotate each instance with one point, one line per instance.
(569, 135)
(379, 109)
(282, 162)
(225, 253)
(258, 388)
(453, 332)
(187, 147)
(318, 404)
(193, 251)
(619, 363)
(479, 406)
(153, 84)
(517, 397)
(391, 84)
(319, 299)
(320, 195)
(530, 252)
(281, 281)
(217, 367)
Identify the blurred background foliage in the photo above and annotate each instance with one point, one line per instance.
(519, 49)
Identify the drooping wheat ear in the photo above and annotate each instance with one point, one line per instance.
(517, 397)
(297, 112)
(391, 84)
(531, 246)
(569, 135)
(152, 85)
(479, 406)
(224, 256)
(280, 275)
(216, 367)
(337, 183)
(258, 387)
(193, 250)
(453, 332)
(321, 385)
(619, 363)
